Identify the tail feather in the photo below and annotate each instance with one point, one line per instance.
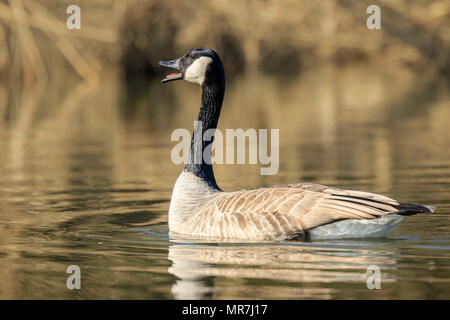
(409, 209)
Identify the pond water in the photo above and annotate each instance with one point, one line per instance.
(86, 179)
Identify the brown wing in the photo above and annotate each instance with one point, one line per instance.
(285, 211)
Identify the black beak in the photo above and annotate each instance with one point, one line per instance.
(174, 64)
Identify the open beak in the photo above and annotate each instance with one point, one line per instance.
(174, 64)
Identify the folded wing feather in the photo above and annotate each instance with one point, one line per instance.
(283, 212)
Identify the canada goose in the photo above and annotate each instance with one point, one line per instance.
(200, 208)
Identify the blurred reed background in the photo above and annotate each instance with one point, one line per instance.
(286, 36)
(269, 36)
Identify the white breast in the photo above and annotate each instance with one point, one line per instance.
(189, 196)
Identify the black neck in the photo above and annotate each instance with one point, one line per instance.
(212, 97)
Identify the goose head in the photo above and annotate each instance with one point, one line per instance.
(200, 66)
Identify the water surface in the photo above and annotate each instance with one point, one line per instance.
(86, 179)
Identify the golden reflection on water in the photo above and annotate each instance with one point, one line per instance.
(288, 264)
(86, 179)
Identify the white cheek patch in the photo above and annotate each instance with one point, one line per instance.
(196, 71)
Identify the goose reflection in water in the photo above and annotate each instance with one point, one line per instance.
(303, 267)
